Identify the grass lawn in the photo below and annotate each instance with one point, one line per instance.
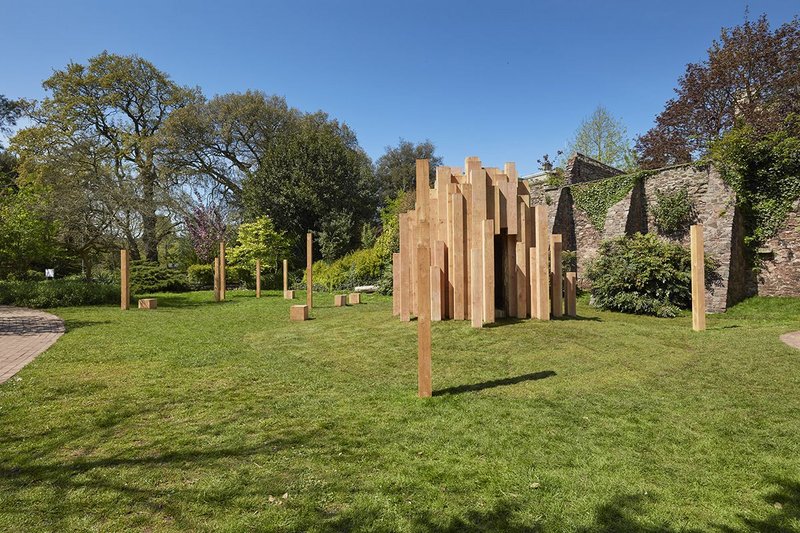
(229, 417)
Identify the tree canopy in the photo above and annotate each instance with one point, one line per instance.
(603, 137)
(396, 168)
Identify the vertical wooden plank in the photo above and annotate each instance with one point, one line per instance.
(555, 274)
(467, 192)
(309, 273)
(442, 196)
(698, 278)
(522, 280)
(542, 274)
(285, 276)
(440, 262)
(488, 272)
(511, 207)
(423, 280)
(532, 288)
(222, 284)
(510, 170)
(572, 289)
(124, 280)
(459, 276)
(436, 293)
(412, 224)
(258, 278)
(216, 279)
(450, 282)
(476, 289)
(510, 274)
(405, 267)
(396, 283)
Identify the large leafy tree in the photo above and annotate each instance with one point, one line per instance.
(10, 111)
(602, 136)
(396, 168)
(222, 141)
(310, 175)
(97, 131)
(751, 76)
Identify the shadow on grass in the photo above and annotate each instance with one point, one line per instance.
(71, 324)
(785, 503)
(534, 376)
(181, 300)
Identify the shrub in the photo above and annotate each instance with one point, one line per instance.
(362, 267)
(672, 212)
(642, 274)
(149, 277)
(57, 293)
(200, 276)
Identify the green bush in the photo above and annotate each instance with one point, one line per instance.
(200, 276)
(362, 267)
(57, 293)
(643, 274)
(147, 278)
(672, 212)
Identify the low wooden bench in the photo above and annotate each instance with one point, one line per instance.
(148, 303)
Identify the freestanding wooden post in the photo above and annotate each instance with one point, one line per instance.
(222, 270)
(698, 278)
(571, 290)
(542, 277)
(258, 278)
(285, 277)
(396, 284)
(309, 280)
(555, 271)
(424, 282)
(216, 279)
(124, 280)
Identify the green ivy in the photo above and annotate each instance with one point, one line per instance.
(596, 197)
(672, 212)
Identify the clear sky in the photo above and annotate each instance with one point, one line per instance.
(506, 81)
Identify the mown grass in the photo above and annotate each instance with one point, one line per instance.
(229, 417)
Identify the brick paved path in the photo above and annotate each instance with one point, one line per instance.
(792, 339)
(24, 334)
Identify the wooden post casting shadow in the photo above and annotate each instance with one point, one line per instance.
(698, 278)
(423, 257)
(258, 278)
(125, 282)
(309, 281)
(222, 270)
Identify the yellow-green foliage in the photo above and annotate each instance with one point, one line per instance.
(362, 267)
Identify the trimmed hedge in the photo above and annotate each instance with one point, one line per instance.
(147, 278)
(57, 293)
(201, 276)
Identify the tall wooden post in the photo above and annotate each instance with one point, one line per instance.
(222, 270)
(216, 280)
(555, 273)
(571, 290)
(423, 282)
(124, 280)
(698, 278)
(488, 271)
(396, 284)
(285, 277)
(309, 280)
(542, 276)
(258, 278)
(460, 263)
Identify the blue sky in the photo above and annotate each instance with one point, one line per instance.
(506, 81)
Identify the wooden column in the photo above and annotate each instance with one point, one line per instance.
(522, 280)
(572, 290)
(510, 275)
(216, 279)
(285, 277)
(222, 270)
(542, 274)
(698, 278)
(555, 274)
(459, 251)
(405, 267)
(124, 280)
(532, 292)
(439, 290)
(423, 283)
(476, 288)
(488, 272)
(396, 284)
(309, 274)
(258, 278)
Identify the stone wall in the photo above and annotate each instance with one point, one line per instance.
(582, 168)
(779, 274)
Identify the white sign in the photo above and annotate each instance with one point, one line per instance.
(49, 273)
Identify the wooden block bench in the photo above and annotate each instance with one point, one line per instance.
(288, 295)
(148, 303)
(339, 300)
(299, 313)
(354, 298)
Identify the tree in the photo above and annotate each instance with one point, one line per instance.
(98, 129)
(259, 240)
(750, 76)
(396, 169)
(222, 140)
(309, 176)
(27, 232)
(205, 227)
(602, 137)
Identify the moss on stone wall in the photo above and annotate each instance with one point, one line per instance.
(596, 197)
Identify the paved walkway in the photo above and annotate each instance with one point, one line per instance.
(792, 339)
(24, 334)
